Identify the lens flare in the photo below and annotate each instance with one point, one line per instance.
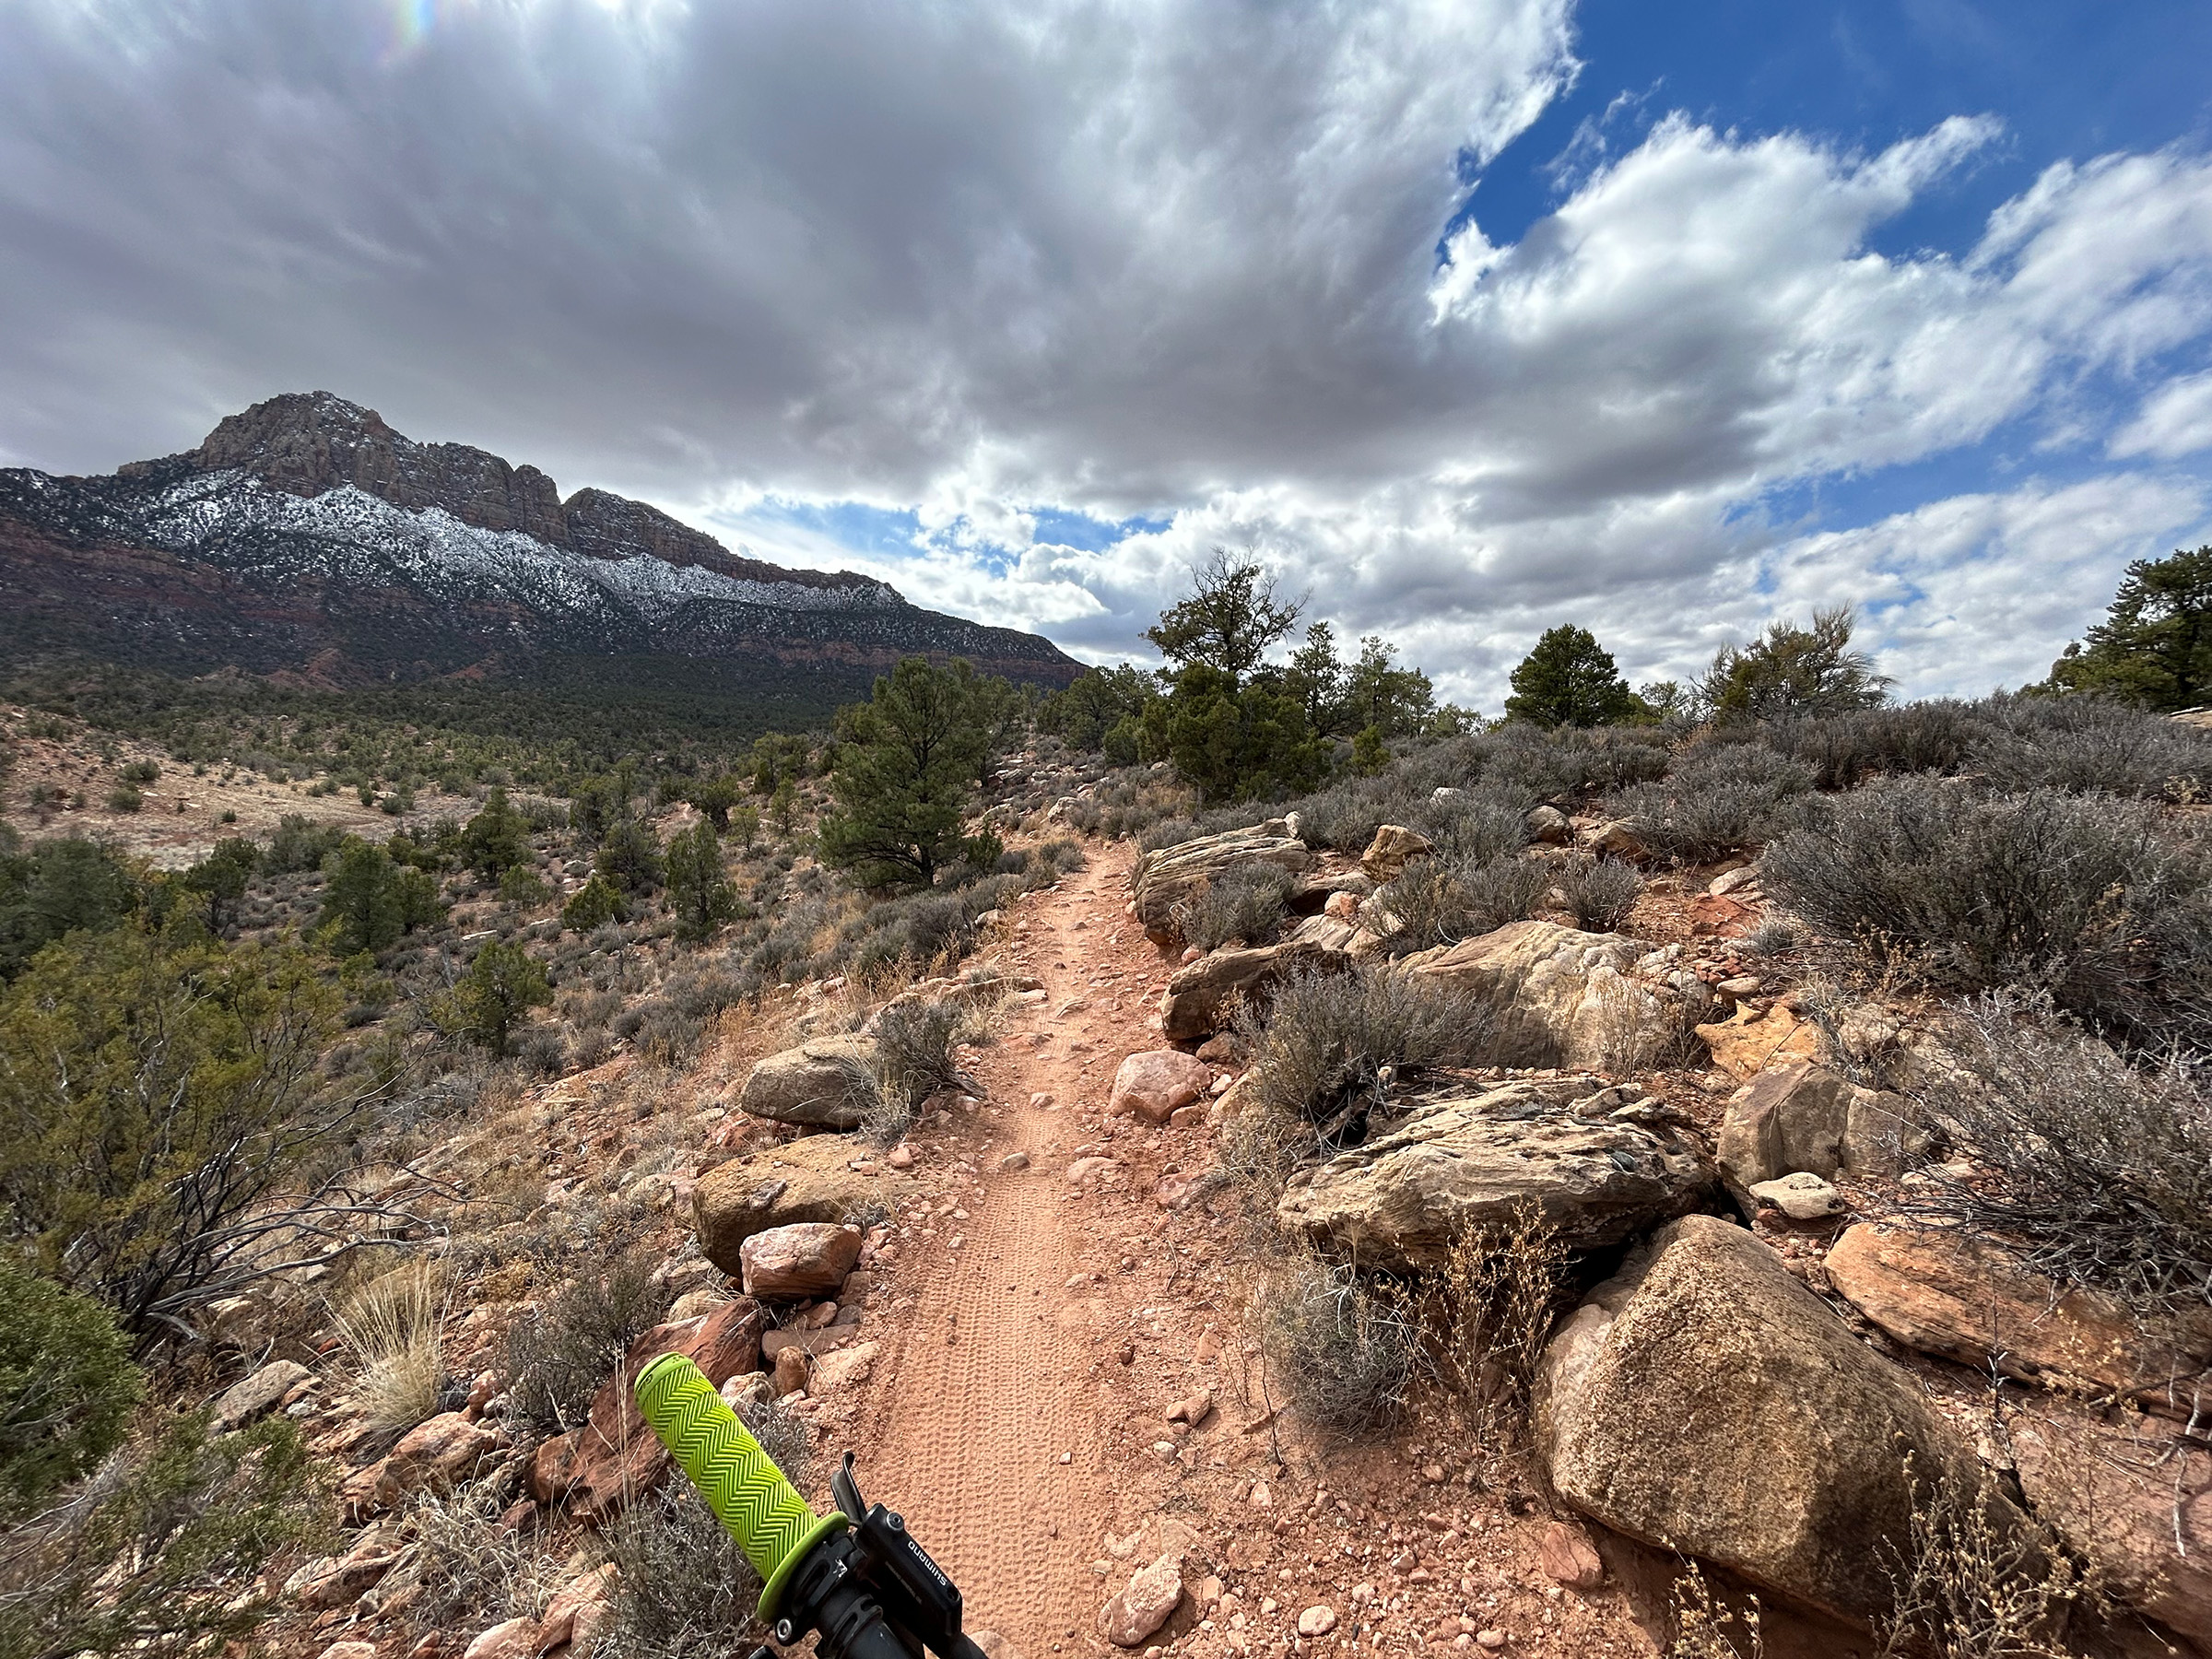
(412, 21)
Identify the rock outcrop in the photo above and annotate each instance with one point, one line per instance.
(1581, 1000)
(818, 1085)
(1805, 1117)
(1964, 1299)
(1753, 1038)
(1201, 997)
(812, 1179)
(1177, 876)
(1468, 1161)
(1704, 1401)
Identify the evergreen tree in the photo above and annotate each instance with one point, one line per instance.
(496, 838)
(502, 984)
(2154, 646)
(1316, 678)
(1791, 670)
(221, 879)
(700, 894)
(628, 856)
(908, 761)
(1397, 702)
(1095, 703)
(1227, 622)
(368, 901)
(591, 906)
(1568, 679)
(715, 796)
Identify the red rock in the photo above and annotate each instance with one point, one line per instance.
(790, 1374)
(1150, 1599)
(580, 1609)
(1570, 1559)
(804, 1259)
(1153, 1084)
(515, 1639)
(435, 1456)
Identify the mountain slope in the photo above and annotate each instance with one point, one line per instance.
(307, 540)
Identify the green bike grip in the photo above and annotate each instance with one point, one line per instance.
(741, 1483)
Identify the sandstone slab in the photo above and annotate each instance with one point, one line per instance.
(1703, 1400)
(1174, 877)
(1394, 848)
(258, 1394)
(1203, 995)
(435, 1456)
(1750, 1040)
(1966, 1300)
(1465, 1162)
(1564, 997)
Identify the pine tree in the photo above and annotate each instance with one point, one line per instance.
(1791, 670)
(908, 762)
(1568, 679)
(700, 894)
(2154, 646)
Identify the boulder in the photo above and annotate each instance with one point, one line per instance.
(1704, 1401)
(340, 1581)
(816, 1085)
(581, 1609)
(1807, 1117)
(807, 1258)
(1549, 825)
(1202, 998)
(1565, 998)
(1152, 1084)
(1149, 1601)
(807, 1179)
(1964, 1299)
(1392, 849)
(258, 1394)
(1751, 1039)
(1175, 875)
(1468, 1161)
(512, 1638)
(1615, 837)
(435, 1456)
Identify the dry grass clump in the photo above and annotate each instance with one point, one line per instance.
(556, 1359)
(1489, 1312)
(393, 1327)
(1345, 1347)
(1707, 1628)
(1247, 901)
(2098, 1172)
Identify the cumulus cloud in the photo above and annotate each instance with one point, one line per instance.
(974, 269)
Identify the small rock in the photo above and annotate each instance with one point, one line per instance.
(1742, 984)
(1193, 1410)
(1570, 1559)
(1039, 1101)
(841, 1367)
(790, 1376)
(1801, 1198)
(260, 1393)
(1190, 953)
(514, 1639)
(901, 1157)
(1317, 1621)
(1492, 1639)
(1261, 1497)
(1153, 1594)
(1153, 1084)
(349, 1649)
(1015, 1160)
(803, 1259)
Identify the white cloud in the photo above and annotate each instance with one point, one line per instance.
(1171, 258)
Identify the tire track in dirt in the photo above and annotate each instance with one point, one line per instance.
(991, 1387)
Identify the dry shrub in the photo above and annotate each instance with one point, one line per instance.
(1328, 1038)
(1441, 901)
(1345, 1347)
(2098, 1172)
(2085, 897)
(1967, 1586)
(914, 1043)
(1599, 891)
(557, 1359)
(1247, 901)
(1491, 1311)
(1707, 1628)
(393, 1330)
(685, 1589)
(472, 1572)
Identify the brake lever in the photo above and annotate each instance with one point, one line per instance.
(846, 1491)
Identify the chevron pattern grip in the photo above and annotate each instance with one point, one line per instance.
(739, 1482)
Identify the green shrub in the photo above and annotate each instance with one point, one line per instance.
(68, 1385)
(368, 901)
(502, 984)
(629, 857)
(58, 888)
(160, 1558)
(299, 845)
(592, 906)
(2083, 897)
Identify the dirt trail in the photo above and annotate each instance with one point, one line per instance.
(989, 1392)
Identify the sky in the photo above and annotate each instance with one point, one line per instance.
(1467, 318)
